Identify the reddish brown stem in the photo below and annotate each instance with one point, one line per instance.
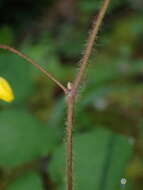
(73, 92)
(49, 75)
(70, 104)
(90, 42)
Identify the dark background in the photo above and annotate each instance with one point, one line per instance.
(109, 111)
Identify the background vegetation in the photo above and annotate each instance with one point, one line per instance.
(109, 123)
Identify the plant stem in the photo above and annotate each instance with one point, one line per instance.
(90, 42)
(70, 104)
(49, 75)
(73, 91)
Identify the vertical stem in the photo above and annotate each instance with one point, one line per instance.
(70, 110)
(90, 42)
(73, 91)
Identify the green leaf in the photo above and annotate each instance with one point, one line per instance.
(105, 82)
(23, 138)
(27, 182)
(100, 160)
(57, 119)
(18, 73)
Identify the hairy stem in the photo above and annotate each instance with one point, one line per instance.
(73, 92)
(49, 75)
(90, 42)
(70, 104)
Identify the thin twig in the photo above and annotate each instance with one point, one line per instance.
(49, 75)
(73, 92)
(90, 42)
(70, 104)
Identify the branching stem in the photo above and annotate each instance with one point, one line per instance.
(73, 92)
(23, 56)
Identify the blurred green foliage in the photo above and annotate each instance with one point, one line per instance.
(108, 123)
(98, 161)
(29, 181)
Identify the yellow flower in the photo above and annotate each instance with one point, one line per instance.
(6, 92)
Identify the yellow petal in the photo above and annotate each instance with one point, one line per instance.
(6, 93)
